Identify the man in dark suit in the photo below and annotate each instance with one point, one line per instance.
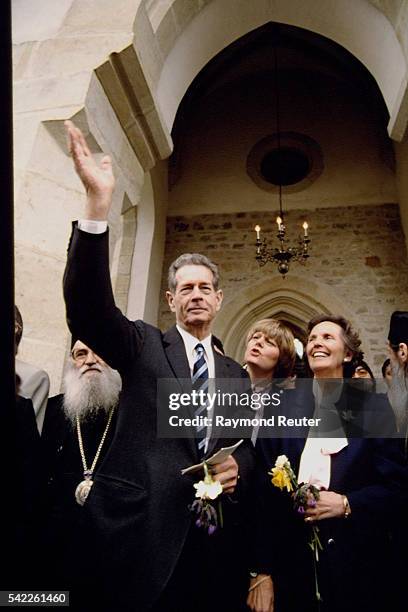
(139, 503)
(34, 383)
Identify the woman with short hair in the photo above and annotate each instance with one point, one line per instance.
(270, 351)
(269, 359)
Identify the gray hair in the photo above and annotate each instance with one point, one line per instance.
(86, 397)
(191, 259)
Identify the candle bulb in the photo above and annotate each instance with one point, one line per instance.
(279, 222)
(305, 226)
(257, 228)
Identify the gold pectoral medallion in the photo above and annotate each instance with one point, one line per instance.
(82, 490)
(84, 487)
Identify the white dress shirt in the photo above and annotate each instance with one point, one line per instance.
(92, 227)
(190, 342)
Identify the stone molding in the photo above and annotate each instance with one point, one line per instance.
(126, 88)
(292, 299)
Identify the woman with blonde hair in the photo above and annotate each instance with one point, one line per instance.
(269, 358)
(270, 351)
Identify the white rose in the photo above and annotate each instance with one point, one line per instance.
(281, 461)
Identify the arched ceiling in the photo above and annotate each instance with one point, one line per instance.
(356, 25)
(300, 56)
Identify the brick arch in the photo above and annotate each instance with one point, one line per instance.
(292, 299)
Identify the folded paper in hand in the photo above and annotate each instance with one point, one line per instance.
(218, 457)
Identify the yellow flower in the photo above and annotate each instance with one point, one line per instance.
(280, 478)
(208, 489)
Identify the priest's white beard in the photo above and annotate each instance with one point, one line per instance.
(86, 395)
(398, 395)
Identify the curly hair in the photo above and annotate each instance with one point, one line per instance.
(350, 338)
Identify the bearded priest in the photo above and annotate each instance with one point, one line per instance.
(78, 428)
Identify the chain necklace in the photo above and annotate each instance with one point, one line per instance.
(82, 490)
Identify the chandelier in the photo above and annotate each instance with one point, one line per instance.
(284, 254)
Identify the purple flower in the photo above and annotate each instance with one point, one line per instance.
(196, 506)
(205, 515)
(301, 510)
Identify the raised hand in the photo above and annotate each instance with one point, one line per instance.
(98, 180)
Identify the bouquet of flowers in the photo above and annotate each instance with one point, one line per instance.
(207, 490)
(304, 496)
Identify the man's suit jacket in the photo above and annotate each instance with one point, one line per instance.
(356, 550)
(138, 506)
(27, 496)
(35, 385)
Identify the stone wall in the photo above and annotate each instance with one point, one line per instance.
(358, 255)
(60, 47)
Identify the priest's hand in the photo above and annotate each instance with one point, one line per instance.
(227, 474)
(97, 179)
(261, 594)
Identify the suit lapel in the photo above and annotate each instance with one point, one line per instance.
(351, 410)
(222, 372)
(221, 364)
(177, 358)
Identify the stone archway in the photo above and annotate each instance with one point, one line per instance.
(357, 25)
(146, 81)
(292, 299)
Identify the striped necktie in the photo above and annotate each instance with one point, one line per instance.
(200, 383)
